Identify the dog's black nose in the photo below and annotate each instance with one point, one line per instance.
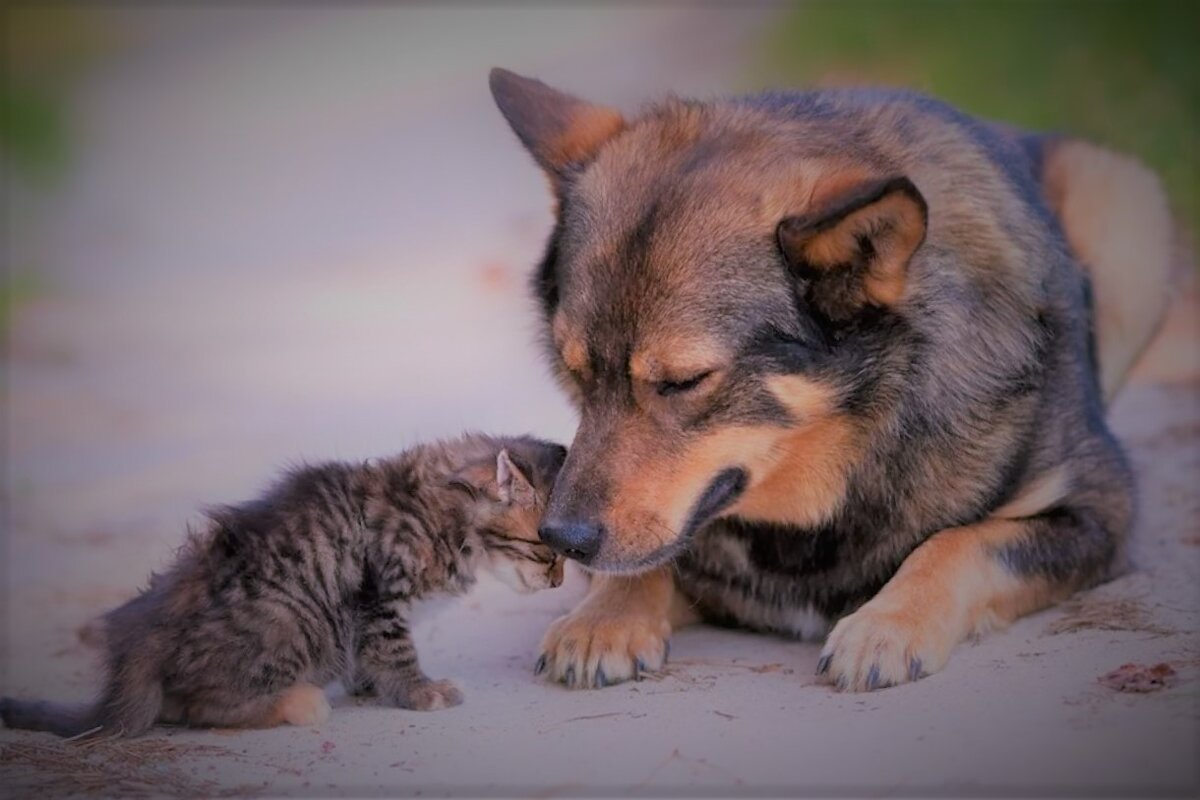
(578, 540)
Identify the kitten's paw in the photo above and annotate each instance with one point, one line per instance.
(590, 649)
(303, 705)
(881, 645)
(430, 696)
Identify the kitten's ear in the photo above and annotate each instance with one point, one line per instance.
(512, 485)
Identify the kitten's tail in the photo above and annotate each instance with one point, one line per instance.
(40, 715)
(130, 706)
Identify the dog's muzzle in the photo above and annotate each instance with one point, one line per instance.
(721, 493)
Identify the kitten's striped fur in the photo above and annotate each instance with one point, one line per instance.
(313, 581)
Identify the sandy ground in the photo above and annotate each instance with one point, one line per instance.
(263, 256)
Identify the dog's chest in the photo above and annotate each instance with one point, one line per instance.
(790, 583)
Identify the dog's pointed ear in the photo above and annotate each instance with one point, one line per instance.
(854, 249)
(559, 130)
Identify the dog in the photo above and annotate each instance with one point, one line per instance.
(841, 360)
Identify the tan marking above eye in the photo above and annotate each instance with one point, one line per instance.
(575, 356)
(676, 359)
(571, 346)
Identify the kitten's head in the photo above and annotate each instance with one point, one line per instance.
(510, 487)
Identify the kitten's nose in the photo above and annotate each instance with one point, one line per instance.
(573, 538)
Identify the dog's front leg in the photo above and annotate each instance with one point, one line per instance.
(620, 630)
(963, 581)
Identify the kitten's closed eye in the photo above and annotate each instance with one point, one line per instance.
(526, 566)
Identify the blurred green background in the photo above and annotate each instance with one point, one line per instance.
(1123, 72)
(45, 51)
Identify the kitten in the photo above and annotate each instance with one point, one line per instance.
(317, 580)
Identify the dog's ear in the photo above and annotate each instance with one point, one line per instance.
(560, 131)
(854, 249)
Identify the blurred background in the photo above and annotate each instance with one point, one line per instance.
(238, 236)
(235, 236)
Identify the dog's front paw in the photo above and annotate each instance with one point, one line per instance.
(881, 645)
(430, 696)
(591, 649)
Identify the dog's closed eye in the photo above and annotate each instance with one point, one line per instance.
(668, 388)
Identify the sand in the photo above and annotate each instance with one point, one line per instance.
(293, 282)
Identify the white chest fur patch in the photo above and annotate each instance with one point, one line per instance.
(807, 623)
(430, 607)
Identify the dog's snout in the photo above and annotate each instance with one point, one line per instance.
(573, 538)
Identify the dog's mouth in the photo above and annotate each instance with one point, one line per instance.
(722, 492)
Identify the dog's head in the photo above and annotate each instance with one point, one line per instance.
(710, 279)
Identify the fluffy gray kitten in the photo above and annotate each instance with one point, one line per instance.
(316, 580)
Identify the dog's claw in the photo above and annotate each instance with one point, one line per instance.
(873, 677)
(601, 681)
(540, 666)
(666, 651)
(914, 669)
(823, 663)
(570, 677)
(639, 667)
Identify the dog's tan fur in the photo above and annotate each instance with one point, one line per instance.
(619, 630)
(903, 228)
(1115, 216)
(947, 589)
(1041, 493)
